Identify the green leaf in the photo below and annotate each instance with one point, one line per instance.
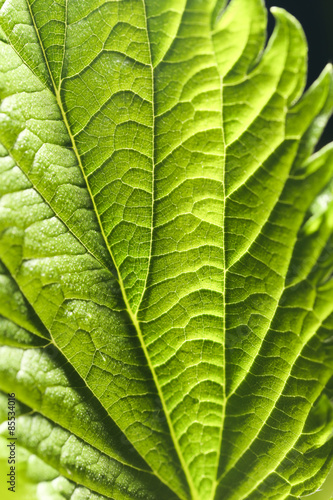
(36, 479)
(166, 242)
(85, 465)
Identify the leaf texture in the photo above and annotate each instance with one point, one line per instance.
(166, 238)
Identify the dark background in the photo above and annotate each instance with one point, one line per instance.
(316, 17)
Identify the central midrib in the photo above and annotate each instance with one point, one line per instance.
(216, 482)
(193, 491)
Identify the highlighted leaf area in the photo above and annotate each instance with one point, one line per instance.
(166, 251)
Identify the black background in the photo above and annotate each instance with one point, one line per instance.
(316, 17)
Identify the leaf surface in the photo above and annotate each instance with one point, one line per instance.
(166, 247)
